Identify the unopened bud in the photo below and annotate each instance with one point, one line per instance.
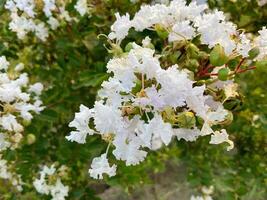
(223, 74)
(31, 139)
(218, 56)
(192, 50)
(128, 47)
(186, 120)
(26, 122)
(162, 33)
(253, 53)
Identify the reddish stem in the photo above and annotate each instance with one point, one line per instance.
(239, 65)
(244, 70)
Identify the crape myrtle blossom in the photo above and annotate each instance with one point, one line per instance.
(184, 22)
(150, 99)
(26, 16)
(19, 101)
(261, 42)
(49, 182)
(7, 174)
(131, 112)
(206, 193)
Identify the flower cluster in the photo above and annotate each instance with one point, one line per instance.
(207, 192)
(26, 16)
(50, 183)
(18, 101)
(262, 2)
(261, 42)
(183, 22)
(143, 106)
(153, 97)
(7, 174)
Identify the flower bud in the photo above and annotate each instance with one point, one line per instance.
(169, 115)
(174, 57)
(186, 120)
(30, 139)
(223, 74)
(217, 56)
(192, 50)
(193, 64)
(128, 47)
(253, 53)
(16, 138)
(26, 122)
(162, 33)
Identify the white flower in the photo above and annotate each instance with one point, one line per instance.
(5, 173)
(121, 27)
(141, 60)
(261, 42)
(128, 149)
(206, 197)
(174, 86)
(262, 2)
(49, 6)
(187, 134)
(160, 130)
(21, 25)
(107, 119)
(19, 67)
(64, 14)
(111, 90)
(146, 42)
(82, 7)
(219, 137)
(26, 6)
(101, 166)
(181, 31)
(17, 103)
(9, 122)
(4, 144)
(215, 30)
(81, 123)
(152, 98)
(36, 88)
(59, 191)
(41, 31)
(122, 72)
(3, 63)
(244, 46)
(53, 22)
